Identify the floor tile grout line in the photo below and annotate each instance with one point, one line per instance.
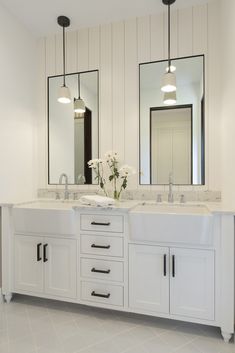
(160, 336)
(105, 340)
(157, 332)
(31, 329)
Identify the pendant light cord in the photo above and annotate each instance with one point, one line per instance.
(169, 37)
(64, 53)
(79, 87)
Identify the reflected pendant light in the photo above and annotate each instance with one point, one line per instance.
(169, 98)
(79, 105)
(64, 95)
(169, 79)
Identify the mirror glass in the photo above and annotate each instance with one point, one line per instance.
(73, 139)
(172, 137)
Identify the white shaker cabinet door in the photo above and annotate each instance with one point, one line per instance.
(149, 278)
(60, 267)
(28, 267)
(192, 283)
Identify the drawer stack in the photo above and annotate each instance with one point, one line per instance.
(102, 259)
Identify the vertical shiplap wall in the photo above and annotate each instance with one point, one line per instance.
(116, 50)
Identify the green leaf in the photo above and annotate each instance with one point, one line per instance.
(124, 185)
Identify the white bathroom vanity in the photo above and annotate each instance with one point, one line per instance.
(173, 261)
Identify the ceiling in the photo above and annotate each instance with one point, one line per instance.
(39, 16)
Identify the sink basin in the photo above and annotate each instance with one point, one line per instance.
(48, 205)
(45, 217)
(171, 223)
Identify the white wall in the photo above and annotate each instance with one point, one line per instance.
(116, 50)
(228, 101)
(17, 119)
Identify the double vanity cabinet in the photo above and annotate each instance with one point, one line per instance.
(96, 257)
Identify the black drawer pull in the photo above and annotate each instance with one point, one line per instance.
(100, 246)
(100, 271)
(173, 265)
(94, 294)
(164, 265)
(45, 259)
(100, 224)
(39, 252)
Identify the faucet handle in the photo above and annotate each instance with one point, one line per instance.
(170, 178)
(159, 198)
(75, 196)
(182, 198)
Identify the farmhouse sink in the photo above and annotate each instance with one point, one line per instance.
(55, 217)
(48, 205)
(171, 223)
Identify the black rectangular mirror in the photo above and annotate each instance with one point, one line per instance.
(172, 136)
(73, 138)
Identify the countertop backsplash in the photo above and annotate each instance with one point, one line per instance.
(200, 196)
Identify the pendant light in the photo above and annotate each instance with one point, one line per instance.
(79, 105)
(172, 68)
(169, 98)
(169, 79)
(64, 95)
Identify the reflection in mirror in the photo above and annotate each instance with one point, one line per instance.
(171, 144)
(73, 138)
(172, 135)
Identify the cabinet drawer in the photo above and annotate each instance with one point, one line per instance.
(102, 223)
(102, 269)
(100, 245)
(102, 293)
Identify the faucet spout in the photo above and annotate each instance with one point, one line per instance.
(66, 192)
(170, 194)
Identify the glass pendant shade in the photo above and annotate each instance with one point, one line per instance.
(79, 106)
(64, 95)
(169, 82)
(170, 98)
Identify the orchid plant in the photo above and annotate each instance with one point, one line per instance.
(107, 172)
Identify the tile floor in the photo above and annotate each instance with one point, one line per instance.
(31, 325)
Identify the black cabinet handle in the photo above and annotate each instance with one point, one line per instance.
(100, 271)
(164, 265)
(45, 259)
(39, 252)
(100, 224)
(100, 246)
(94, 294)
(173, 265)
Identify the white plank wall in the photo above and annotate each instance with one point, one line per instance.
(157, 37)
(185, 32)
(118, 88)
(72, 52)
(131, 97)
(116, 50)
(106, 86)
(83, 50)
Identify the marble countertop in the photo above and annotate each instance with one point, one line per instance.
(121, 206)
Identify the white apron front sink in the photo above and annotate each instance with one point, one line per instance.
(171, 223)
(45, 217)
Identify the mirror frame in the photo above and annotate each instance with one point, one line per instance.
(48, 126)
(203, 125)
